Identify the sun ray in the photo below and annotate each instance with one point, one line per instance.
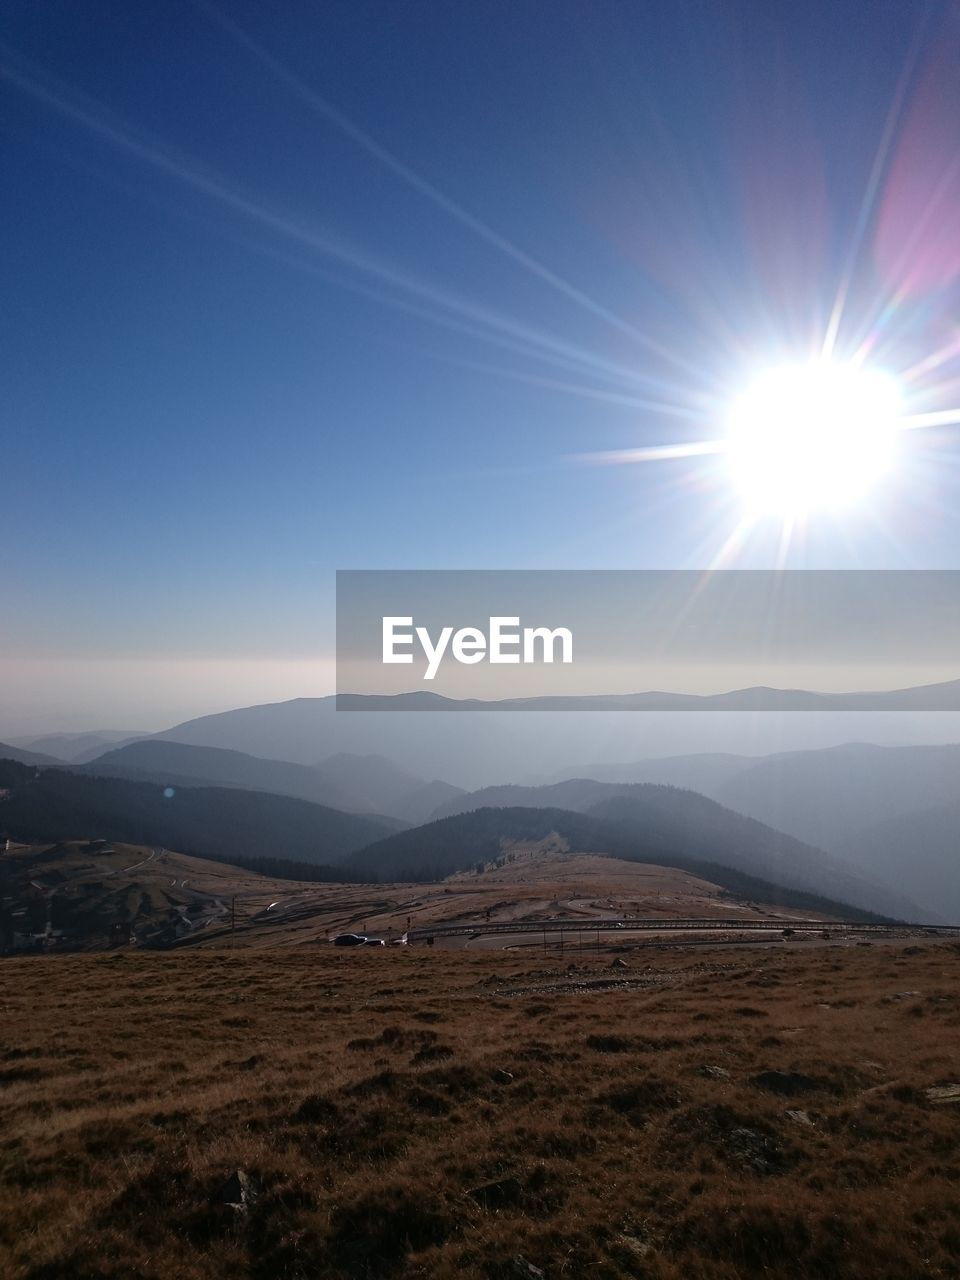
(316, 102)
(868, 204)
(733, 543)
(943, 355)
(95, 119)
(652, 453)
(921, 421)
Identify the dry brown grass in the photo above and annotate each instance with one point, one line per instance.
(151, 890)
(363, 1093)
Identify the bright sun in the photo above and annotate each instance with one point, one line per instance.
(812, 436)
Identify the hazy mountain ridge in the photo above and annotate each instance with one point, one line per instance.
(824, 799)
(78, 748)
(700, 771)
(354, 783)
(942, 696)
(642, 821)
(824, 796)
(310, 730)
(24, 756)
(471, 750)
(707, 830)
(578, 794)
(212, 822)
(385, 786)
(930, 839)
(854, 785)
(163, 761)
(456, 843)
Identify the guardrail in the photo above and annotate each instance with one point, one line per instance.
(597, 925)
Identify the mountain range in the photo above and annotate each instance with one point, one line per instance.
(212, 822)
(358, 784)
(885, 815)
(661, 825)
(942, 696)
(77, 748)
(10, 752)
(882, 812)
(472, 749)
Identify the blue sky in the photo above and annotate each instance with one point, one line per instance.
(353, 284)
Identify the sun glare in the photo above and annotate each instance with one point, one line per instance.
(812, 436)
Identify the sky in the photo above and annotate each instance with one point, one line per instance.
(368, 285)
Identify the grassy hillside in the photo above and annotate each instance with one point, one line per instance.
(402, 1114)
(209, 821)
(69, 896)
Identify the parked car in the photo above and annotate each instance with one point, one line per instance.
(349, 940)
(374, 942)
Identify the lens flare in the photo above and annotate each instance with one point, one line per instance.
(812, 436)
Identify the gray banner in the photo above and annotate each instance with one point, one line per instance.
(648, 640)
